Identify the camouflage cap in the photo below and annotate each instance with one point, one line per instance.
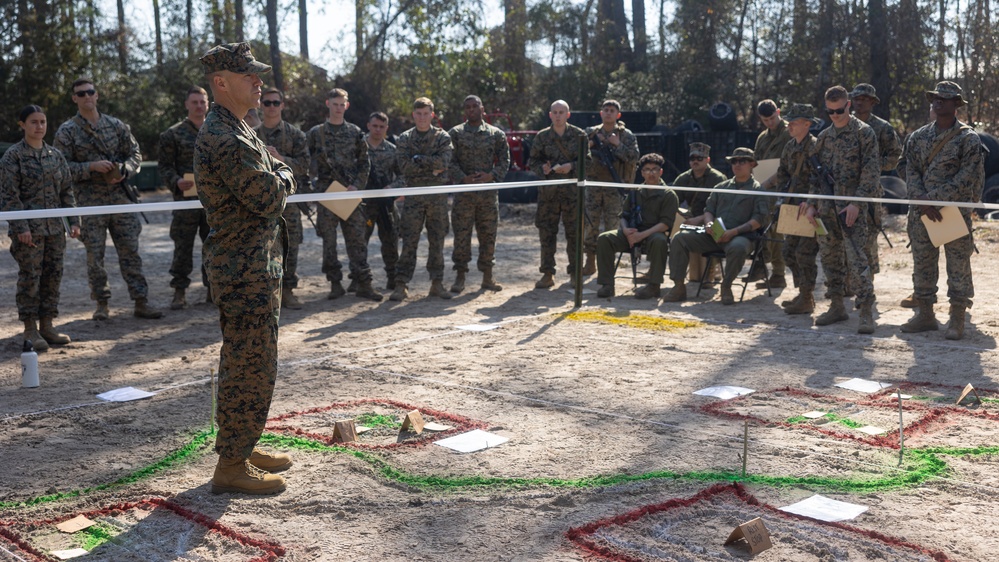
(947, 90)
(234, 57)
(801, 111)
(865, 90)
(700, 149)
(742, 153)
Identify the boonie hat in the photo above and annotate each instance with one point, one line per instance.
(802, 111)
(948, 91)
(742, 153)
(865, 90)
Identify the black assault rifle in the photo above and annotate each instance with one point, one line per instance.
(827, 182)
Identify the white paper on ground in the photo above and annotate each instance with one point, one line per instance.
(815, 414)
(359, 429)
(478, 327)
(67, 554)
(825, 509)
(474, 440)
(585, 292)
(871, 430)
(75, 524)
(125, 394)
(436, 426)
(863, 385)
(724, 392)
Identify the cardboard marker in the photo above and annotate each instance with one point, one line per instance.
(964, 394)
(344, 431)
(413, 422)
(755, 534)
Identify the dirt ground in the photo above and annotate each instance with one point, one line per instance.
(597, 406)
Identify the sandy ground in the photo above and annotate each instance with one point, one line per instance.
(598, 409)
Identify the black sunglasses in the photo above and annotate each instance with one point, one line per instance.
(84, 93)
(740, 161)
(696, 158)
(839, 111)
(270, 103)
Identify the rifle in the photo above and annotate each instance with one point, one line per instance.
(827, 182)
(131, 192)
(877, 223)
(602, 151)
(635, 221)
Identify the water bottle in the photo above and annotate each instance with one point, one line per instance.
(29, 366)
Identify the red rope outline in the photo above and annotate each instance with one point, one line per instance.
(888, 440)
(580, 536)
(912, 388)
(271, 550)
(462, 424)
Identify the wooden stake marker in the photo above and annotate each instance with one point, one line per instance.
(755, 534)
(344, 431)
(964, 394)
(413, 422)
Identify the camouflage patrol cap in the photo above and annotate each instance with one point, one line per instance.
(742, 153)
(700, 149)
(234, 57)
(801, 111)
(865, 90)
(948, 91)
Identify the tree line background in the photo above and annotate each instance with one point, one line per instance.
(677, 62)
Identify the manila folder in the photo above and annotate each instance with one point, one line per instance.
(788, 222)
(949, 229)
(340, 207)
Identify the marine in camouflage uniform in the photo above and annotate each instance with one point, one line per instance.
(848, 152)
(244, 191)
(424, 155)
(481, 155)
(339, 153)
(176, 159)
(770, 144)
(37, 178)
(945, 163)
(610, 142)
(382, 212)
(291, 147)
(701, 174)
(794, 176)
(863, 98)
(99, 149)
(553, 157)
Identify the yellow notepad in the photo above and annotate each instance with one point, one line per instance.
(949, 229)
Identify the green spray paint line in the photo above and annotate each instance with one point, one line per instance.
(93, 537)
(377, 420)
(829, 416)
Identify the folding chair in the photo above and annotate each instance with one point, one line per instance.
(755, 258)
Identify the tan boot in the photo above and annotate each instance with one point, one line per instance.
(547, 281)
(31, 334)
(804, 303)
(239, 476)
(102, 312)
(49, 333)
(437, 290)
(605, 291)
(678, 293)
(909, 301)
(650, 291)
(923, 321)
(836, 313)
(366, 291)
(289, 300)
(488, 283)
(866, 325)
(776, 282)
(459, 282)
(143, 310)
(726, 294)
(179, 301)
(955, 328)
(590, 265)
(336, 290)
(792, 301)
(400, 293)
(270, 462)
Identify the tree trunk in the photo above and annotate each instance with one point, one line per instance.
(515, 42)
(217, 22)
(941, 40)
(187, 22)
(641, 36)
(358, 28)
(827, 49)
(877, 23)
(303, 29)
(159, 35)
(238, 6)
(122, 39)
(272, 35)
(613, 47)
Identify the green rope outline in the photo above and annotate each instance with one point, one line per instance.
(924, 464)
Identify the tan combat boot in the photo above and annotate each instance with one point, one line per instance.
(909, 301)
(836, 313)
(336, 290)
(866, 325)
(923, 321)
(143, 310)
(270, 462)
(289, 300)
(437, 290)
(31, 334)
(352, 286)
(400, 293)
(804, 303)
(488, 283)
(726, 294)
(792, 301)
(102, 312)
(239, 476)
(364, 290)
(547, 281)
(605, 291)
(179, 301)
(49, 333)
(678, 293)
(590, 265)
(459, 282)
(650, 291)
(955, 328)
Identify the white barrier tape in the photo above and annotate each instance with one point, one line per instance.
(298, 198)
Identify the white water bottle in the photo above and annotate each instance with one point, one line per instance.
(29, 366)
